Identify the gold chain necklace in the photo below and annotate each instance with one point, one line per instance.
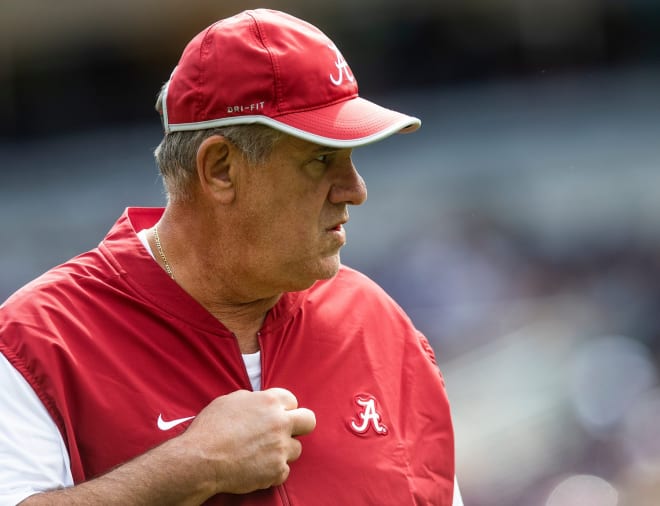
(168, 269)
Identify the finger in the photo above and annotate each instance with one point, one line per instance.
(303, 421)
(295, 450)
(284, 397)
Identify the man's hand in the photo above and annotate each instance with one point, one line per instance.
(248, 439)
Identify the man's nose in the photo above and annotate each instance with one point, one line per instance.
(349, 188)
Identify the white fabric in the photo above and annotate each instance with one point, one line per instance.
(33, 456)
(253, 366)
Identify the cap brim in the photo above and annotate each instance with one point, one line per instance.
(346, 124)
(351, 123)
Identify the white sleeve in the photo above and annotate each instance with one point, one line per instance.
(32, 452)
(458, 500)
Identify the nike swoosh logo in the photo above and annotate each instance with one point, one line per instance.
(167, 425)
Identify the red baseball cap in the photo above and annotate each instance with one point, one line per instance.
(268, 67)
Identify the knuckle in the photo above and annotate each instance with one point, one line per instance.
(280, 423)
(282, 474)
(270, 396)
(282, 395)
(296, 450)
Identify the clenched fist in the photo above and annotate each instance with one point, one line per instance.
(247, 439)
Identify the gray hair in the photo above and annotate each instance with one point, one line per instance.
(176, 155)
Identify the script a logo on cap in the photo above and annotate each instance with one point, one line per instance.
(342, 68)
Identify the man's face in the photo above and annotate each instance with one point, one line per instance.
(292, 210)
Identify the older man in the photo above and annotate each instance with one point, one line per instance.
(217, 350)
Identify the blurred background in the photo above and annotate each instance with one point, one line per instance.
(520, 227)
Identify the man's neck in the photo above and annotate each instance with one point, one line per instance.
(196, 273)
(243, 320)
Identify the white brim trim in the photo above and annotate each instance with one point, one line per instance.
(405, 125)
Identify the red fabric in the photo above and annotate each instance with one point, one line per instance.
(109, 342)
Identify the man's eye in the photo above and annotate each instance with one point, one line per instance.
(323, 158)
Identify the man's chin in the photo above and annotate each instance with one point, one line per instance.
(327, 270)
(330, 267)
(330, 273)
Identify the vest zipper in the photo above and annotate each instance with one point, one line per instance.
(283, 495)
(281, 489)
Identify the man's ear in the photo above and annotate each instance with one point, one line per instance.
(216, 168)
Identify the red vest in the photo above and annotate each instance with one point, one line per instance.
(110, 343)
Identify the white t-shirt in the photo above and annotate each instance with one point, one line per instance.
(33, 456)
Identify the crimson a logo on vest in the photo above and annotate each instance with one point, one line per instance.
(368, 418)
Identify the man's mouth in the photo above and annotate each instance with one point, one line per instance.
(338, 226)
